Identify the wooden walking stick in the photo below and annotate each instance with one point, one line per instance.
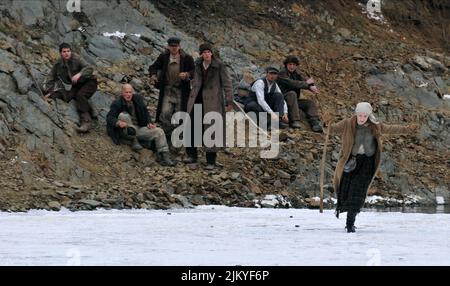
(322, 166)
(20, 54)
(249, 119)
(324, 152)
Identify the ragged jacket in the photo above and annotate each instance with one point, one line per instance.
(291, 81)
(347, 129)
(61, 72)
(160, 66)
(119, 106)
(216, 89)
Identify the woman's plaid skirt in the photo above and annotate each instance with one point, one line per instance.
(353, 189)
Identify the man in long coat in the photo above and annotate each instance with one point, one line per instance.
(171, 72)
(212, 90)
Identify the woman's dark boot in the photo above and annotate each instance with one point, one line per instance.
(350, 225)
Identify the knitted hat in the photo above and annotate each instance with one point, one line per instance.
(366, 108)
(205, 47)
(291, 59)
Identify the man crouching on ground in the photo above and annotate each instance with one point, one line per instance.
(128, 121)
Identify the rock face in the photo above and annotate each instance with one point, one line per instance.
(415, 83)
(404, 81)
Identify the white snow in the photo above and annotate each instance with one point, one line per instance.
(118, 34)
(330, 200)
(409, 200)
(272, 201)
(216, 235)
(446, 96)
(413, 199)
(269, 201)
(440, 200)
(374, 199)
(373, 10)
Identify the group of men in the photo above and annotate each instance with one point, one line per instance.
(182, 83)
(278, 94)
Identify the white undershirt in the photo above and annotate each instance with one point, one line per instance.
(361, 149)
(258, 88)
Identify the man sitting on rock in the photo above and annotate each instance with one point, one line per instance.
(266, 96)
(291, 83)
(71, 78)
(128, 121)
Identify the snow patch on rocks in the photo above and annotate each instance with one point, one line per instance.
(273, 201)
(118, 34)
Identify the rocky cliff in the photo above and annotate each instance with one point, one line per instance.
(393, 54)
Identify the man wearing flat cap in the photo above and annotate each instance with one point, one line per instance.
(171, 73)
(266, 96)
(291, 83)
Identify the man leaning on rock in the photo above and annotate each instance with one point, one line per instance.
(128, 121)
(71, 78)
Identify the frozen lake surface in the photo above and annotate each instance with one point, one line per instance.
(217, 235)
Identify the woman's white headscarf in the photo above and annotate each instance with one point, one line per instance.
(366, 108)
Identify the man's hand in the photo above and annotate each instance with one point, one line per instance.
(414, 127)
(46, 97)
(183, 75)
(153, 79)
(274, 116)
(285, 118)
(121, 124)
(327, 119)
(310, 81)
(76, 78)
(314, 89)
(228, 107)
(151, 125)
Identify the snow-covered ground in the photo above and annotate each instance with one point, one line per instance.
(216, 235)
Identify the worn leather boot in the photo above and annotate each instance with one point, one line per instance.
(350, 224)
(164, 159)
(191, 156)
(211, 161)
(283, 125)
(85, 123)
(135, 145)
(190, 160)
(295, 125)
(316, 126)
